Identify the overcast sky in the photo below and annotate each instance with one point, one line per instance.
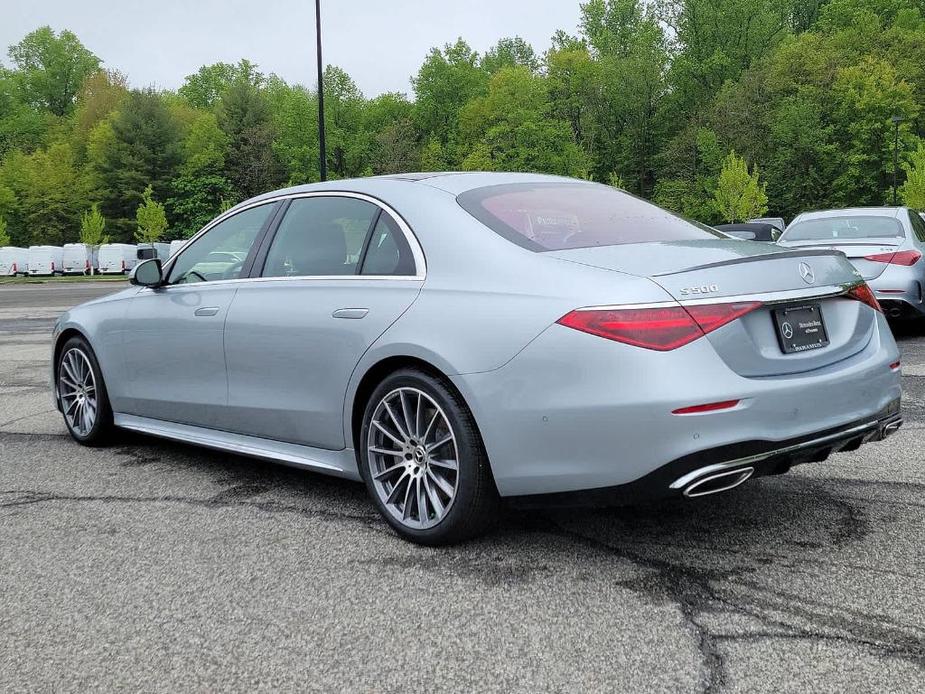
(380, 43)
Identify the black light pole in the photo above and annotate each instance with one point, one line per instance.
(896, 121)
(323, 155)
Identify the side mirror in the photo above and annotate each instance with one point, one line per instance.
(147, 273)
(776, 234)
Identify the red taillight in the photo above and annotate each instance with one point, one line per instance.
(660, 328)
(52, 265)
(863, 294)
(895, 366)
(14, 268)
(709, 407)
(123, 265)
(906, 258)
(87, 265)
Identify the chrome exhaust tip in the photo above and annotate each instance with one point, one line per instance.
(891, 428)
(718, 482)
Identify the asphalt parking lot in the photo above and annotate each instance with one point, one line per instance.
(161, 567)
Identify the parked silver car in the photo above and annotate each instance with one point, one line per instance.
(885, 244)
(451, 339)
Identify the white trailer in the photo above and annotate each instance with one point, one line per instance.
(176, 245)
(78, 259)
(116, 258)
(146, 251)
(13, 261)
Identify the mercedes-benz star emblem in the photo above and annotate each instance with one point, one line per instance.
(787, 330)
(806, 272)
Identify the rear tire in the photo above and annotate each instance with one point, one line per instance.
(423, 461)
(82, 394)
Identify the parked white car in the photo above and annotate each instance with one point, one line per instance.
(79, 258)
(117, 258)
(176, 245)
(13, 261)
(45, 260)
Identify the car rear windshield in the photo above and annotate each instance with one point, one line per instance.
(560, 216)
(844, 229)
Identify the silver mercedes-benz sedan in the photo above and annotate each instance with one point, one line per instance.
(885, 244)
(455, 339)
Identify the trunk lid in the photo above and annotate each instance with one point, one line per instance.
(716, 271)
(856, 251)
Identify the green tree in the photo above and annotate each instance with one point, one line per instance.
(448, 79)
(139, 146)
(48, 193)
(205, 88)
(739, 195)
(251, 165)
(508, 129)
(510, 52)
(92, 228)
(4, 236)
(912, 190)
(151, 218)
(51, 69)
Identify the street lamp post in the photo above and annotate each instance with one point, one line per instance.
(322, 154)
(896, 121)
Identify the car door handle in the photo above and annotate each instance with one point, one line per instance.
(354, 313)
(207, 311)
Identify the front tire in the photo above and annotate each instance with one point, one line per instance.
(82, 394)
(423, 461)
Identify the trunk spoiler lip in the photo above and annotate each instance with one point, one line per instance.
(795, 253)
(767, 298)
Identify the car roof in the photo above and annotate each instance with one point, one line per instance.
(853, 212)
(453, 182)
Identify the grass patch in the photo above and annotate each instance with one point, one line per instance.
(63, 279)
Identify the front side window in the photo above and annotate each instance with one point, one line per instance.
(844, 228)
(560, 216)
(220, 253)
(320, 236)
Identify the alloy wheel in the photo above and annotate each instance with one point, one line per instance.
(413, 458)
(77, 390)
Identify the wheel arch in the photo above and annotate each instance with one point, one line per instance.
(374, 376)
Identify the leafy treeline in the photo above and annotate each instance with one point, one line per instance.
(652, 96)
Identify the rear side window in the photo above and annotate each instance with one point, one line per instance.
(388, 252)
(559, 216)
(844, 228)
(918, 225)
(320, 236)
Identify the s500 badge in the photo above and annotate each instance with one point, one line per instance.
(703, 289)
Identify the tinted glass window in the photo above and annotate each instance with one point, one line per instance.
(555, 216)
(220, 253)
(918, 225)
(844, 228)
(388, 252)
(320, 236)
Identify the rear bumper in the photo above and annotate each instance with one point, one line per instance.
(900, 292)
(726, 465)
(576, 412)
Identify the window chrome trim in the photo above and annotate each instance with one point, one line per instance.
(417, 252)
(767, 298)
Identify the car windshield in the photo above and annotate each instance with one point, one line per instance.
(559, 216)
(844, 228)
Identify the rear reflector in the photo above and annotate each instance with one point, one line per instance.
(660, 328)
(902, 258)
(863, 294)
(710, 407)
